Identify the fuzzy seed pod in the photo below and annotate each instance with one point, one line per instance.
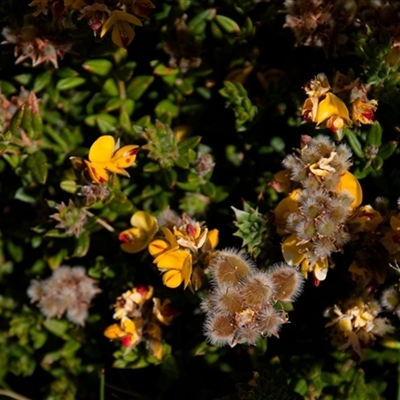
(219, 330)
(270, 321)
(287, 281)
(257, 289)
(227, 299)
(247, 334)
(229, 268)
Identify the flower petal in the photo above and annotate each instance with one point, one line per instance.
(134, 239)
(123, 16)
(125, 156)
(102, 150)
(97, 172)
(212, 240)
(158, 247)
(172, 278)
(144, 221)
(321, 269)
(330, 106)
(292, 253)
(122, 34)
(349, 183)
(114, 332)
(173, 260)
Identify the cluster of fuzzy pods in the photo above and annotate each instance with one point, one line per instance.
(245, 303)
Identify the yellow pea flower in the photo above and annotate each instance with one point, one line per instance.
(177, 266)
(159, 247)
(296, 254)
(103, 158)
(138, 238)
(128, 332)
(331, 106)
(122, 33)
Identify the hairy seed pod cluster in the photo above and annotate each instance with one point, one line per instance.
(243, 303)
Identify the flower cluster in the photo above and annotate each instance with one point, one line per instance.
(36, 45)
(356, 323)
(180, 247)
(68, 290)
(182, 244)
(317, 23)
(323, 195)
(101, 16)
(140, 318)
(325, 105)
(243, 303)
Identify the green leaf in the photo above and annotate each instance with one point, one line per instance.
(69, 186)
(166, 107)
(126, 71)
(227, 24)
(354, 142)
(41, 81)
(16, 252)
(110, 87)
(189, 143)
(21, 195)
(374, 136)
(82, 245)
(37, 164)
(387, 149)
(105, 122)
(151, 167)
(6, 88)
(16, 119)
(70, 83)
(190, 187)
(66, 72)
(99, 66)
(138, 85)
(162, 70)
(113, 104)
(57, 327)
(23, 79)
(209, 189)
(55, 260)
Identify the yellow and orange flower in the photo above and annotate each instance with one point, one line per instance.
(128, 331)
(105, 158)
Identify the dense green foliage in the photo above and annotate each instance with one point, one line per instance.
(205, 101)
